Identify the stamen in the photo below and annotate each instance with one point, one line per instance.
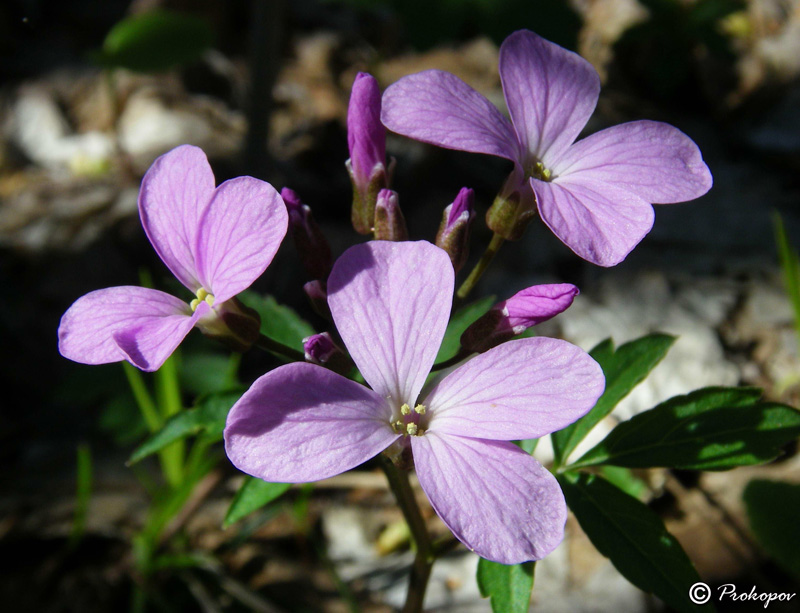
(411, 429)
(540, 172)
(405, 409)
(202, 296)
(420, 409)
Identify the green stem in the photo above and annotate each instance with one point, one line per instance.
(168, 392)
(143, 399)
(458, 357)
(424, 558)
(480, 267)
(267, 344)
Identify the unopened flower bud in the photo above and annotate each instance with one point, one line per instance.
(314, 250)
(317, 293)
(390, 225)
(453, 235)
(320, 349)
(511, 317)
(366, 139)
(512, 209)
(232, 323)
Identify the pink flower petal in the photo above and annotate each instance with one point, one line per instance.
(653, 160)
(391, 302)
(239, 235)
(550, 93)
(495, 498)
(437, 107)
(521, 389)
(149, 343)
(174, 195)
(86, 332)
(302, 422)
(600, 222)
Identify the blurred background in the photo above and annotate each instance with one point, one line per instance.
(91, 94)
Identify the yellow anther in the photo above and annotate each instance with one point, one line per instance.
(202, 296)
(540, 172)
(411, 429)
(405, 409)
(420, 409)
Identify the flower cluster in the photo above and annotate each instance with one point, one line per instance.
(390, 299)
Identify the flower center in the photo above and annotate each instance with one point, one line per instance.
(202, 296)
(538, 171)
(408, 422)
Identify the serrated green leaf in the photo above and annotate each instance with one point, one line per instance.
(253, 495)
(155, 41)
(460, 322)
(624, 369)
(773, 509)
(208, 417)
(508, 587)
(715, 428)
(634, 538)
(278, 322)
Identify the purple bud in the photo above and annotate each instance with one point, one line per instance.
(366, 136)
(320, 349)
(511, 317)
(366, 139)
(390, 225)
(453, 235)
(314, 250)
(317, 294)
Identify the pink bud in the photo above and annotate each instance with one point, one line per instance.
(511, 317)
(366, 139)
(320, 349)
(390, 225)
(453, 235)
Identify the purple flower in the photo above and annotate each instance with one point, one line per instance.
(216, 241)
(511, 317)
(596, 194)
(391, 303)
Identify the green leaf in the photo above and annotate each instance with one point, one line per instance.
(208, 373)
(624, 369)
(625, 480)
(209, 417)
(633, 537)
(155, 41)
(715, 428)
(253, 495)
(460, 322)
(773, 509)
(509, 587)
(278, 322)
